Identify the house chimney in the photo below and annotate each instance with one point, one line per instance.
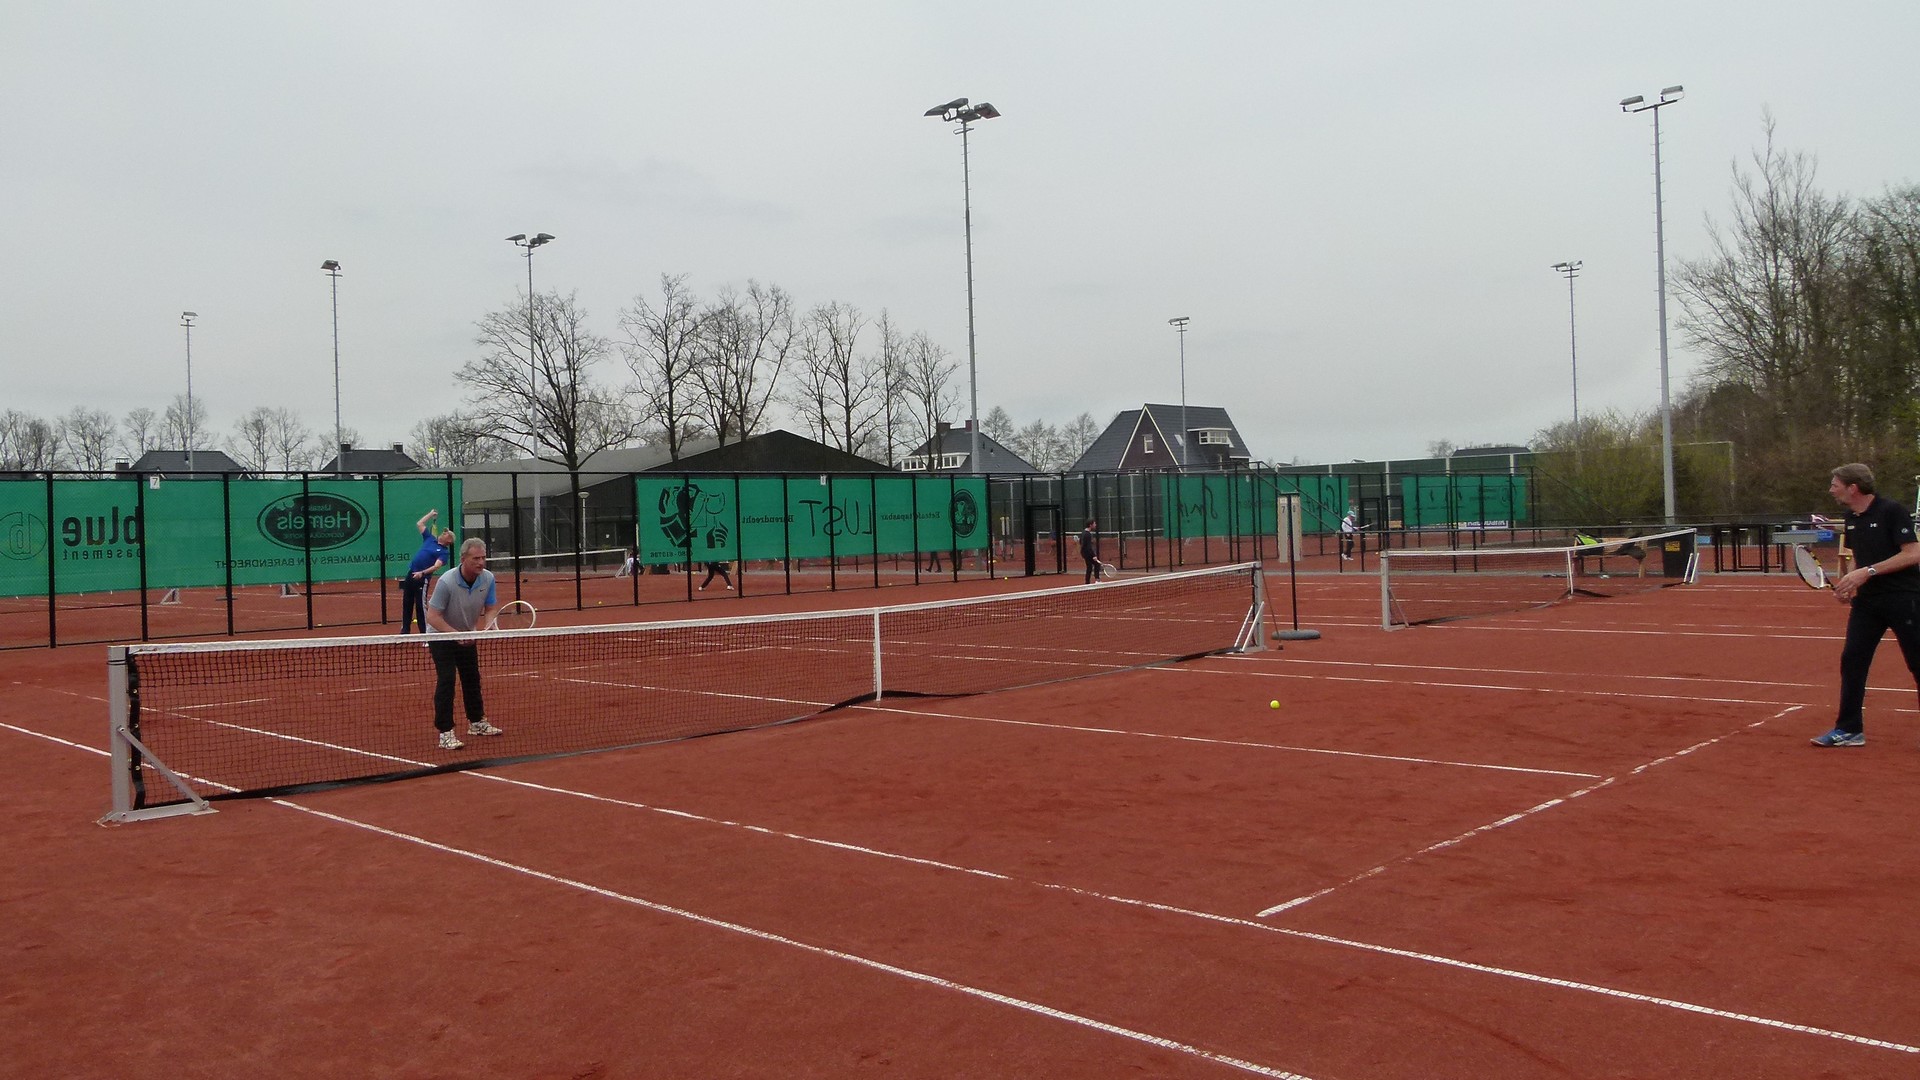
(941, 427)
(399, 448)
(345, 447)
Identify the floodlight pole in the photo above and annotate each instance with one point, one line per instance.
(332, 267)
(1179, 324)
(186, 320)
(958, 111)
(527, 244)
(1571, 269)
(1639, 104)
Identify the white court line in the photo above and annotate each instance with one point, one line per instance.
(1505, 821)
(769, 936)
(1231, 742)
(1531, 672)
(1211, 917)
(1583, 692)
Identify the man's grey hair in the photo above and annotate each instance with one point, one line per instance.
(472, 543)
(1856, 474)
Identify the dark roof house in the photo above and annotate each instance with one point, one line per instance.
(1150, 437)
(777, 451)
(951, 447)
(359, 460)
(175, 461)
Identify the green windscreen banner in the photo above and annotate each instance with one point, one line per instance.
(99, 535)
(1466, 500)
(721, 518)
(1247, 504)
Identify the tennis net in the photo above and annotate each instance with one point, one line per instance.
(207, 720)
(1426, 585)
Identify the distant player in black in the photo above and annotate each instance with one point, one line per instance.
(1883, 593)
(719, 570)
(1090, 550)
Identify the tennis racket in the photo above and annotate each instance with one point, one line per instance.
(1108, 571)
(1809, 568)
(514, 615)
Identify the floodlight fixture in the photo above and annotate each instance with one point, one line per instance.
(332, 267)
(1179, 324)
(958, 110)
(1639, 104)
(186, 320)
(1571, 269)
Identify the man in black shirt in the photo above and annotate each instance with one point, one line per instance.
(1883, 592)
(1090, 550)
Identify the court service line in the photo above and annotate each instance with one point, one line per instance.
(1511, 818)
(1629, 676)
(1254, 924)
(1477, 686)
(1158, 1041)
(1228, 742)
(1171, 909)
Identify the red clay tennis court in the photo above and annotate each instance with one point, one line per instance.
(1588, 840)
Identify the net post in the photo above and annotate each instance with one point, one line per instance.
(118, 751)
(879, 686)
(1386, 591)
(1253, 633)
(123, 748)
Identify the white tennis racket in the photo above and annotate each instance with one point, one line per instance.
(1108, 571)
(1809, 568)
(513, 615)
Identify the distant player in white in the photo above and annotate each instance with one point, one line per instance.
(1349, 529)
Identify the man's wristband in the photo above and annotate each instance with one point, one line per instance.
(1873, 569)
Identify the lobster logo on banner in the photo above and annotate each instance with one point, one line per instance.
(966, 513)
(688, 514)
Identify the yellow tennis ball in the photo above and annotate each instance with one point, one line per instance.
(1273, 704)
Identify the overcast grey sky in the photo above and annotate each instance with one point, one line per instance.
(1357, 205)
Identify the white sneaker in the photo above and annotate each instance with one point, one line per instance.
(449, 742)
(481, 727)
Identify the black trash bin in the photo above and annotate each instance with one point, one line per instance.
(1675, 553)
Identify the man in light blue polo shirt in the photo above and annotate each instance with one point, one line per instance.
(463, 602)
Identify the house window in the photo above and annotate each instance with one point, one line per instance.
(1215, 437)
(1146, 444)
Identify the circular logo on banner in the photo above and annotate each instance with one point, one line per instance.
(319, 521)
(22, 536)
(966, 513)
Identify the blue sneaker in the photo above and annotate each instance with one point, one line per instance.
(1836, 737)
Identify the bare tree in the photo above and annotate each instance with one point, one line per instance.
(839, 393)
(746, 340)
(1077, 436)
(174, 428)
(1039, 443)
(27, 443)
(546, 403)
(88, 435)
(999, 425)
(141, 433)
(453, 441)
(289, 441)
(1763, 308)
(889, 363)
(927, 382)
(252, 441)
(663, 349)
